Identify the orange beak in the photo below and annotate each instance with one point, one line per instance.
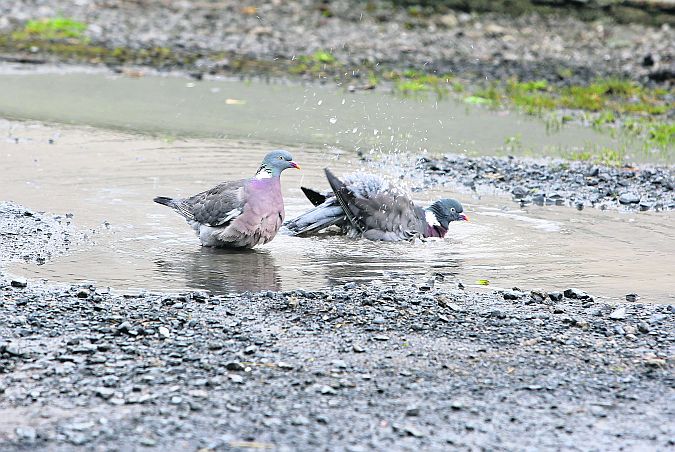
(295, 165)
(463, 217)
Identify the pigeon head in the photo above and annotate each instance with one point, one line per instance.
(274, 163)
(447, 210)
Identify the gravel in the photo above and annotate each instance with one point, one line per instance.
(556, 182)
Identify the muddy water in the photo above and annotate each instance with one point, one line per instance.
(107, 180)
(281, 113)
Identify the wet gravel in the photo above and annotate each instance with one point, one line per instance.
(34, 236)
(396, 365)
(366, 34)
(557, 182)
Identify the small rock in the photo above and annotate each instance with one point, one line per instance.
(327, 390)
(26, 433)
(236, 379)
(513, 295)
(19, 282)
(643, 327)
(632, 297)
(577, 294)
(340, 364)
(618, 314)
(164, 332)
(519, 192)
(234, 366)
(537, 296)
(555, 296)
(412, 411)
(629, 198)
(285, 366)
(381, 338)
(148, 442)
(358, 349)
(124, 327)
(299, 420)
(105, 393)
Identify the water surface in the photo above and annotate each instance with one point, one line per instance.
(279, 112)
(106, 177)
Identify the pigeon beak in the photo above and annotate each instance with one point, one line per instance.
(463, 217)
(294, 165)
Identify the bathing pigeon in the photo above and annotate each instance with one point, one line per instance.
(238, 214)
(366, 205)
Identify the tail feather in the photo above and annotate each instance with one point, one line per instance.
(314, 196)
(165, 201)
(314, 220)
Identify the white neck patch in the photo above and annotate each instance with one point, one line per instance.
(263, 173)
(431, 218)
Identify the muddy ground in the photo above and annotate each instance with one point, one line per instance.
(228, 36)
(396, 365)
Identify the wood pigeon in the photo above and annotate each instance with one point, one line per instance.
(238, 214)
(366, 205)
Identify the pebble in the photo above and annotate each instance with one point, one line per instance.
(629, 198)
(26, 433)
(164, 332)
(555, 296)
(618, 314)
(632, 297)
(576, 294)
(19, 282)
(381, 338)
(234, 366)
(327, 390)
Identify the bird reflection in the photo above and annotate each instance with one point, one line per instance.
(224, 271)
(343, 260)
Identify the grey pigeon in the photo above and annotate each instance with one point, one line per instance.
(238, 214)
(366, 205)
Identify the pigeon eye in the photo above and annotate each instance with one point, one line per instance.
(281, 158)
(452, 209)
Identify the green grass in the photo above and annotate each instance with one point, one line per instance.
(324, 57)
(604, 156)
(57, 28)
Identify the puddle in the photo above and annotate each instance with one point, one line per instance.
(281, 113)
(103, 176)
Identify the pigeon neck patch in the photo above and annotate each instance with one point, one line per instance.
(263, 173)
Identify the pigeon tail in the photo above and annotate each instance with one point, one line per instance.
(320, 217)
(165, 201)
(314, 196)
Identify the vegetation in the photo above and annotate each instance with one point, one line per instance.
(57, 28)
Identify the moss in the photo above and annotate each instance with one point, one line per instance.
(324, 57)
(604, 156)
(57, 28)
(411, 87)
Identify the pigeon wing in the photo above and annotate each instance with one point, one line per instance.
(216, 207)
(395, 216)
(347, 200)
